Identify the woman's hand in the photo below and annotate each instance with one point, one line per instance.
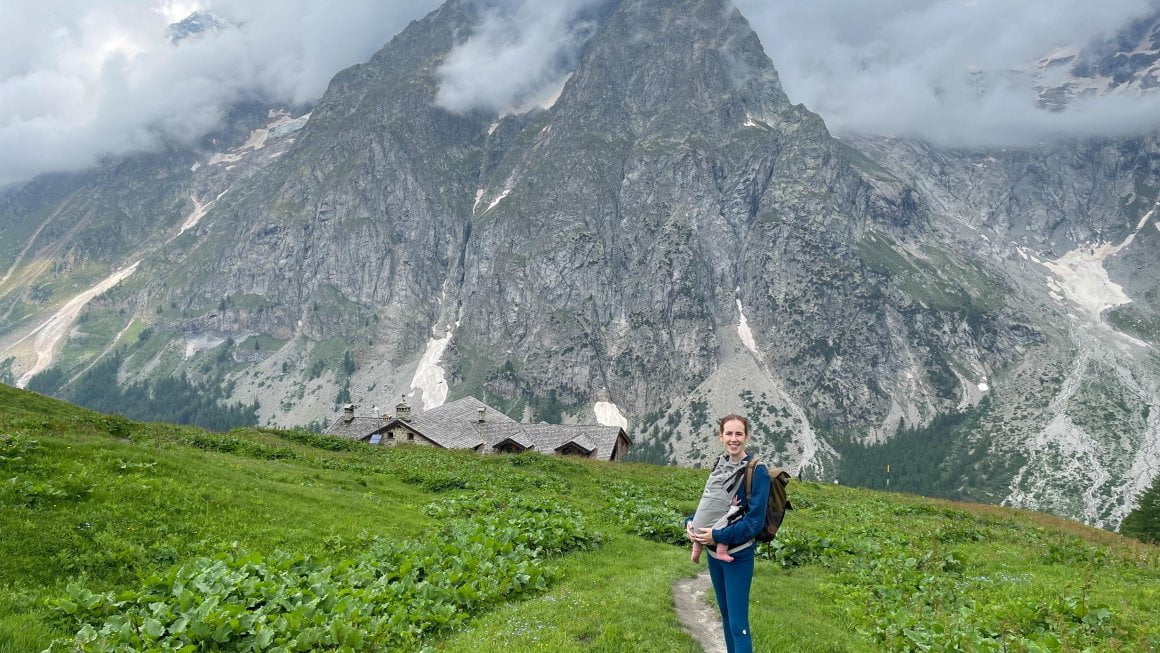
(689, 532)
(704, 536)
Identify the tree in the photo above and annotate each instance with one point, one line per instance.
(1143, 523)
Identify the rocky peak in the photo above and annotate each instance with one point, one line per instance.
(194, 25)
(673, 68)
(1125, 62)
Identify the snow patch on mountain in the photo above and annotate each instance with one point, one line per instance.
(430, 378)
(201, 342)
(1027, 254)
(280, 126)
(195, 216)
(286, 125)
(496, 201)
(743, 330)
(608, 414)
(232, 157)
(750, 121)
(1081, 278)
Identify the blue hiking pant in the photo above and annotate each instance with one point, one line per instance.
(731, 582)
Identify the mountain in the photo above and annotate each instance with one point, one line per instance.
(1125, 62)
(195, 25)
(666, 240)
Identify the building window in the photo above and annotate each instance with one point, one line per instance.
(410, 436)
(376, 438)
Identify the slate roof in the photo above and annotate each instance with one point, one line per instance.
(456, 426)
(599, 439)
(494, 434)
(357, 428)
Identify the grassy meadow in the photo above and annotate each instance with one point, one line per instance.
(116, 535)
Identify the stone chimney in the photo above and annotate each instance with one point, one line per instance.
(348, 413)
(482, 412)
(403, 411)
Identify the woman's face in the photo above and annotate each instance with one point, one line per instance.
(733, 436)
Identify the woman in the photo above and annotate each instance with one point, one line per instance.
(731, 580)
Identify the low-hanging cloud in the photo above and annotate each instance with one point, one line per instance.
(85, 79)
(516, 57)
(945, 71)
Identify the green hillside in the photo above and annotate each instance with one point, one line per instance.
(125, 536)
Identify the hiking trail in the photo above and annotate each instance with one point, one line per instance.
(700, 619)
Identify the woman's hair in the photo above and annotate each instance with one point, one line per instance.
(727, 418)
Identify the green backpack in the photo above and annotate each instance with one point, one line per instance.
(778, 501)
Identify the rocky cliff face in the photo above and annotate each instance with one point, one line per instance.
(615, 257)
(1072, 227)
(1125, 62)
(671, 235)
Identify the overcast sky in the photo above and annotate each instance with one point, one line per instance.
(914, 67)
(81, 79)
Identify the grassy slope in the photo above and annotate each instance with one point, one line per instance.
(104, 501)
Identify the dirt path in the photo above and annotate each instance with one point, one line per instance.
(700, 619)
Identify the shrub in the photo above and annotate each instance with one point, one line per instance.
(389, 596)
(652, 519)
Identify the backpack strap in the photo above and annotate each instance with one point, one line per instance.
(753, 463)
(778, 479)
(778, 502)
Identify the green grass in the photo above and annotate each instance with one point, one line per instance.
(93, 332)
(107, 504)
(607, 601)
(940, 281)
(327, 355)
(1135, 322)
(262, 342)
(789, 613)
(866, 164)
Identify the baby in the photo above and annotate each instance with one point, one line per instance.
(716, 506)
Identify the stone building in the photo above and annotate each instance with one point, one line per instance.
(469, 423)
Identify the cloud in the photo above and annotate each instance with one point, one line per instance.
(946, 71)
(85, 79)
(518, 56)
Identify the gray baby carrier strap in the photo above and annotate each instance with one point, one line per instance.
(733, 483)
